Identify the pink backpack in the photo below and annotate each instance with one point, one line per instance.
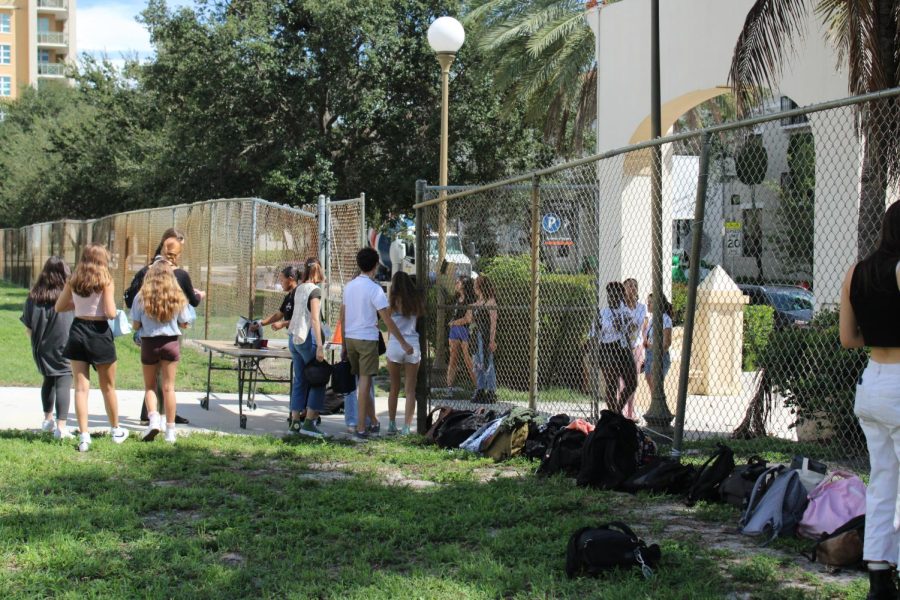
(837, 499)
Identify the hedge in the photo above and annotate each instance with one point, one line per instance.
(759, 322)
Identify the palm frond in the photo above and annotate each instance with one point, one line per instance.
(765, 41)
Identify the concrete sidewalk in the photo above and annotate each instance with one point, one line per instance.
(20, 408)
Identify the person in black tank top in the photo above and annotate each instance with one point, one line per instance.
(870, 316)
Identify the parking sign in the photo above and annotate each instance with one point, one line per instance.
(551, 223)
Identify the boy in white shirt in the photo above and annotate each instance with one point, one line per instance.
(365, 301)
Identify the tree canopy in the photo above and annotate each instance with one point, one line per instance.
(281, 99)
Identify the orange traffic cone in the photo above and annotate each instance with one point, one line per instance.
(338, 336)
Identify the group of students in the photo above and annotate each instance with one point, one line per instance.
(364, 302)
(620, 345)
(67, 316)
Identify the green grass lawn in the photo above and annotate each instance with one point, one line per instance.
(17, 367)
(241, 516)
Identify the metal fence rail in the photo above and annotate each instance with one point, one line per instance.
(234, 250)
(781, 225)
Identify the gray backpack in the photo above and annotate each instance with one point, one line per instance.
(777, 510)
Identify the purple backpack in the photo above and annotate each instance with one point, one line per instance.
(836, 500)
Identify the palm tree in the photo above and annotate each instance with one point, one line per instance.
(543, 56)
(867, 36)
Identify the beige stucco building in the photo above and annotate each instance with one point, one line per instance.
(37, 40)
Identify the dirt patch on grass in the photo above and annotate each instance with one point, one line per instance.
(167, 519)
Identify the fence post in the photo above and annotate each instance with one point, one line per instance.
(209, 295)
(535, 289)
(362, 221)
(252, 293)
(322, 211)
(693, 279)
(423, 384)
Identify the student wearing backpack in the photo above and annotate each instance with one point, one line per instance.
(49, 332)
(160, 312)
(406, 308)
(870, 316)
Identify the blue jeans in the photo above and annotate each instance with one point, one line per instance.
(350, 406)
(485, 374)
(301, 394)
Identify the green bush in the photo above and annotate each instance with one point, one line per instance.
(568, 306)
(815, 375)
(679, 302)
(759, 322)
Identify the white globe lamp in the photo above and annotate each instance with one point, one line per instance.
(446, 35)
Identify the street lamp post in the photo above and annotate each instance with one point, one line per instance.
(445, 36)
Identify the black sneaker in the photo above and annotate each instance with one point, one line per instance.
(179, 420)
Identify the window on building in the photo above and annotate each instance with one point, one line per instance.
(788, 104)
(44, 56)
(5, 86)
(43, 25)
(5, 54)
(5, 26)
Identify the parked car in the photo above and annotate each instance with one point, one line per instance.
(793, 305)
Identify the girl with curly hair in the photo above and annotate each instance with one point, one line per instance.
(91, 294)
(160, 312)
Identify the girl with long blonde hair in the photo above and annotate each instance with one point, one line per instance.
(91, 294)
(160, 313)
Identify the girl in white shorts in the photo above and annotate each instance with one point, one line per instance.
(406, 308)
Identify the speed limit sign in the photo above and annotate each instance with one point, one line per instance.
(734, 239)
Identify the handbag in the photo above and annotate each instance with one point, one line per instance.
(342, 379)
(835, 501)
(381, 347)
(120, 324)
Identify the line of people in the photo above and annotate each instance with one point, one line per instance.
(472, 336)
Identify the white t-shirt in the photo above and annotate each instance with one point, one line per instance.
(363, 298)
(407, 326)
(638, 314)
(613, 324)
(667, 324)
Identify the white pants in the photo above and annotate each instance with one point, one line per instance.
(878, 409)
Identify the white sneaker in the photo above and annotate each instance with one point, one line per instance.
(47, 426)
(118, 434)
(85, 444)
(170, 434)
(152, 429)
(62, 434)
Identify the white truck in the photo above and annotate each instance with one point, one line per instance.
(396, 245)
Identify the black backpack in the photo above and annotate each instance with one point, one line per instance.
(564, 455)
(711, 475)
(458, 427)
(736, 488)
(610, 454)
(594, 550)
(662, 476)
(541, 438)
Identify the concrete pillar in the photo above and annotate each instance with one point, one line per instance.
(718, 337)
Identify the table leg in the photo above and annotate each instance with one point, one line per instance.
(204, 402)
(251, 391)
(242, 418)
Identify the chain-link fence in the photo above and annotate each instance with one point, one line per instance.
(562, 261)
(234, 250)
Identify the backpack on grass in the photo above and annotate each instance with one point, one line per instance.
(459, 426)
(541, 438)
(610, 454)
(738, 486)
(564, 455)
(843, 547)
(778, 510)
(711, 475)
(595, 550)
(662, 476)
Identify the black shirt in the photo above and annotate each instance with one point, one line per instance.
(184, 282)
(877, 306)
(287, 307)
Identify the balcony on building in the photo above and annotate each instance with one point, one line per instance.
(51, 70)
(58, 8)
(53, 39)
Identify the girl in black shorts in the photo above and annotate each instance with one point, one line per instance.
(91, 294)
(160, 313)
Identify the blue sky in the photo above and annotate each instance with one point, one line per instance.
(106, 26)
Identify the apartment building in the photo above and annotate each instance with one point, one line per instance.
(37, 39)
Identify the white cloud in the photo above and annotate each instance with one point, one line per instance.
(111, 29)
